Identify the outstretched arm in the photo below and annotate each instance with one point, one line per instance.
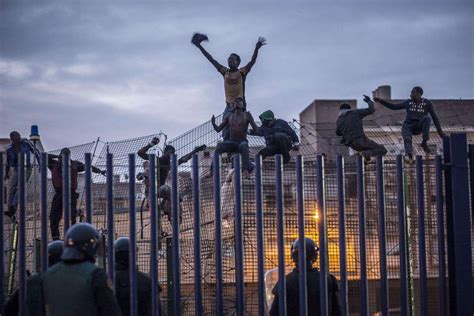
(436, 121)
(370, 110)
(260, 43)
(143, 151)
(197, 40)
(252, 122)
(391, 106)
(188, 156)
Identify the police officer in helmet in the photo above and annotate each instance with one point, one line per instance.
(122, 281)
(76, 286)
(33, 289)
(312, 285)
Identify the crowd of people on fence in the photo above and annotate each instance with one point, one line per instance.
(74, 285)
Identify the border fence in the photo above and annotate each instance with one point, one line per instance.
(398, 237)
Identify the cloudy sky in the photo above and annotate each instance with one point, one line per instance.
(117, 70)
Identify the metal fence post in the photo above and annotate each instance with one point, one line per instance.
(441, 241)
(280, 236)
(66, 190)
(322, 229)
(382, 236)
(22, 236)
(132, 263)
(461, 228)
(110, 219)
(342, 233)
(239, 242)
(362, 235)
(218, 234)
(2, 254)
(260, 234)
(198, 310)
(301, 236)
(87, 186)
(175, 223)
(44, 211)
(155, 302)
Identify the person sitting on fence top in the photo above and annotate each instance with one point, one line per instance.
(34, 299)
(350, 127)
(17, 146)
(279, 136)
(312, 286)
(238, 123)
(55, 165)
(76, 286)
(234, 77)
(122, 281)
(417, 120)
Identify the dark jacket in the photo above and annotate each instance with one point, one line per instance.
(275, 127)
(292, 295)
(78, 288)
(415, 112)
(34, 298)
(122, 291)
(349, 124)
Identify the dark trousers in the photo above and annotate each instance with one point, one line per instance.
(411, 128)
(367, 147)
(277, 144)
(233, 146)
(57, 212)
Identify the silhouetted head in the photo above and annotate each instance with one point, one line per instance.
(311, 251)
(239, 103)
(169, 150)
(15, 137)
(233, 61)
(81, 243)
(416, 93)
(55, 250)
(345, 106)
(122, 251)
(266, 117)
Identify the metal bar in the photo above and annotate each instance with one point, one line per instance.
(280, 236)
(362, 236)
(239, 242)
(2, 254)
(421, 236)
(175, 223)
(198, 309)
(443, 310)
(153, 235)
(322, 230)
(342, 234)
(22, 236)
(461, 226)
(87, 186)
(471, 177)
(44, 211)
(132, 263)
(110, 218)
(66, 190)
(382, 236)
(303, 294)
(218, 234)
(448, 189)
(260, 234)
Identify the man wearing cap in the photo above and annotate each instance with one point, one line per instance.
(350, 128)
(279, 136)
(55, 165)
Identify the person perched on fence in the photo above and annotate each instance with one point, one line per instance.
(55, 165)
(417, 120)
(164, 161)
(34, 296)
(76, 286)
(238, 123)
(234, 77)
(312, 283)
(350, 128)
(279, 136)
(17, 146)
